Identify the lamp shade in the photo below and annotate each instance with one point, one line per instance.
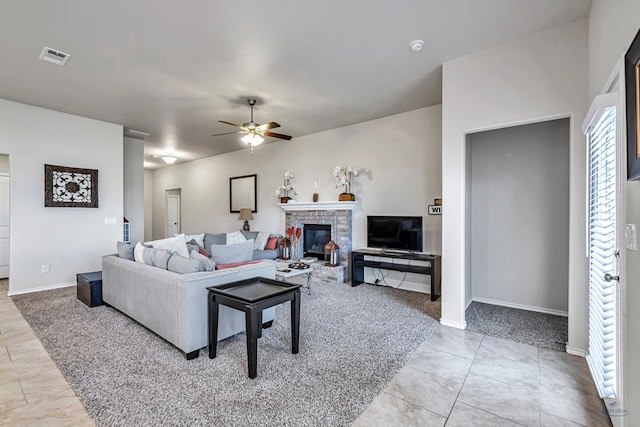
(252, 139)
(245, 214)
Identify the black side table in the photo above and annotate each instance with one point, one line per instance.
(89, 288)
(252, 296)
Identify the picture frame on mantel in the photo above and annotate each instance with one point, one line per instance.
(632, 104)
(66, 187)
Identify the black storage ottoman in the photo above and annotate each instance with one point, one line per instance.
(89, 288)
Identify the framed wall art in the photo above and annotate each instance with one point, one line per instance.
(632, 92)
(70, 187)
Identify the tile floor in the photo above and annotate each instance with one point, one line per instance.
(32, 389)
(460, 378)
(456, 378)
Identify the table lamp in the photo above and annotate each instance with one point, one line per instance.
(245, 214)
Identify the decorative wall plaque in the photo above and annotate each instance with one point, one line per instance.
(70, 187)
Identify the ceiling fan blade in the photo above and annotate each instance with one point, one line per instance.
(268, 126)
(277, 135)
(230, 124)
(228, 133)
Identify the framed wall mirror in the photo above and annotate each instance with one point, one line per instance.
(242, 193)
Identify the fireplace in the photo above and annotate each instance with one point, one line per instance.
(315, 237)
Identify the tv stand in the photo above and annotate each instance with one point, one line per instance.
(358, 262)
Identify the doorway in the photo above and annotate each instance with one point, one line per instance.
(173, 209)
(517, 226)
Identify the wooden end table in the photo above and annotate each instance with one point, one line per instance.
(252, 296)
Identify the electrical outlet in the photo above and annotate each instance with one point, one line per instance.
(45, 268)
(316, 183)
(631, 237)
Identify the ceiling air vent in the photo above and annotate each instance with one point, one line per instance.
(137, 134)
(54, 56)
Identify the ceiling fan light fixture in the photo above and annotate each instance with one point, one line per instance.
(252, 139)
(169, 159)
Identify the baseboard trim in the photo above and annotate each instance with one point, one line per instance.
(457, 325)
(522, 307)
(576, 351)
(42, 288)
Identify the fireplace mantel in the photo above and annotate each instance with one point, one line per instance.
(318, 206)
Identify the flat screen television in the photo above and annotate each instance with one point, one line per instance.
(395, 233)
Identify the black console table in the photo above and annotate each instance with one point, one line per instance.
(358, 262)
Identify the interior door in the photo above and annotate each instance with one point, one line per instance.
(173, 215)
(604, 234)
(4, 226)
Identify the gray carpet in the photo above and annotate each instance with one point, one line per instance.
(353, 340)
(527, 327)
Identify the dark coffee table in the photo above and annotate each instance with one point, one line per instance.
(252, 296)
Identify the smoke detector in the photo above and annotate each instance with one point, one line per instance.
(54, 56)
(416, 45)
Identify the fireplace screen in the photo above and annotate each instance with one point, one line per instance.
(315, 237)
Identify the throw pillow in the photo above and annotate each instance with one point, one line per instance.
(199, 238)
(236, 264)
(204, 263)
(272, 243)
(201, 251)
(182, 265)
(227, 254)
(235, 237)
(125, 250)
(214, 239)
(261, 241)
(172, 244)
(138, 250)
(156, 257)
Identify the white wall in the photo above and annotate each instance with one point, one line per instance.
(401, 156)
(70, 240)
(612, 27)
(134, 187)
(4, 163)
(520, 216)
(148, 205)
(528, 80)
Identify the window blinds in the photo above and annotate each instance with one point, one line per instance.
(602, 251)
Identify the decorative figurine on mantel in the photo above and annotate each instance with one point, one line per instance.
(287, 189)
(344, 175)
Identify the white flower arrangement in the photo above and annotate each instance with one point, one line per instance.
(288, 187)
(344, 175)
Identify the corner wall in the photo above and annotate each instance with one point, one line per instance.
(70, 240)
(533, 79)
(133, 160)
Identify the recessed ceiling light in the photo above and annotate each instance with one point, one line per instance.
(416, 45)
(54, 56)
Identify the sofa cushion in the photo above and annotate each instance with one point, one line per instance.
(179, 264)
(249, 234)
(235, 237)
(172, 244)
(151, 256)
(261, 240)
(227, 254)
(236, 264)
(199, 238)
(125, 250)
(204, 262)
(214, 239)
(272, 243)
(265, 254)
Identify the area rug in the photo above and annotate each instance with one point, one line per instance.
(353, 340)
(523, 326)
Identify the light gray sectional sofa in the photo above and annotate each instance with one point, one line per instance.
(174, 305)
(221, 239)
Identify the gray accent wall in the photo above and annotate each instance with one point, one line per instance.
(133, 152)
(519, 217)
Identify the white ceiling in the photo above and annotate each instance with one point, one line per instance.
(173, 68)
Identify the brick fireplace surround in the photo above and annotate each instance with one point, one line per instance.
(336, 214)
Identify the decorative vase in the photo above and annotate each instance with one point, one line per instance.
(315, 197)
(347, 197)
(285, 199)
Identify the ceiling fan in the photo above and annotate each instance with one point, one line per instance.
(254, 132)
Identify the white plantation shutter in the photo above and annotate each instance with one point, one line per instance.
(601, 136)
